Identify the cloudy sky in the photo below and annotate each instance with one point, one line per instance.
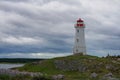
(45, 28)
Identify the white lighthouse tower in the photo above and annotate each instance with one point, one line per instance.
(79, 46)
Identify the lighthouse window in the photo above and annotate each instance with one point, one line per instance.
(77, 30)
(76, 50)
(77, 40)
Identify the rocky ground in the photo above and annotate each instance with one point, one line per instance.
(16, 72)
(75, 67)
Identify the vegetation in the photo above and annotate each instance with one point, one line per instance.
(113, 57)
(5, 77)
(18, 60)
(23, 77)
(92, 64)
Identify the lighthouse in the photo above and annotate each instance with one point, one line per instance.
(79, 45)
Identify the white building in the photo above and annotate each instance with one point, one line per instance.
(79, 46)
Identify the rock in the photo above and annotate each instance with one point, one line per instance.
(100, 64)
(16, 72)
(94, 75)
(54, 77)
(108, 75)
(70, 65)
(66, 65)
(109, 66)
(58, 77)
(82, 68)
(113, 79)
(118, 59)
(109, 78)
(59, 64)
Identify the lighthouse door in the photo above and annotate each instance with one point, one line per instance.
(76, 50)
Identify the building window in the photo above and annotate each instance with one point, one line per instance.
(78, 31)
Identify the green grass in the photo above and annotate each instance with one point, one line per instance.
(23, 77)
(18, 60)
(47, 67)
(5, 77)
(77, 57)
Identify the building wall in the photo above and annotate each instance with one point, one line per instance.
(79, 46)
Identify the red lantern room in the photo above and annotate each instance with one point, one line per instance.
(80, 23)
(79, 20)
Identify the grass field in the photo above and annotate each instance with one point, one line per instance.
(18, 60)
(93, 63)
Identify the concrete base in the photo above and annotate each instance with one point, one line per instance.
(79, 54)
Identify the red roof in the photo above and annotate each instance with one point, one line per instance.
(79, 20)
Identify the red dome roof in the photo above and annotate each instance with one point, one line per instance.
(79, 20)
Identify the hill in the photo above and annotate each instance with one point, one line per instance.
(18, 60)
(77, 67)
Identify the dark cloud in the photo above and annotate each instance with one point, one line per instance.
(28, 26)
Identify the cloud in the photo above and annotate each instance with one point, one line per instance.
(21, 40)
(34, 55)
(48, 25)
